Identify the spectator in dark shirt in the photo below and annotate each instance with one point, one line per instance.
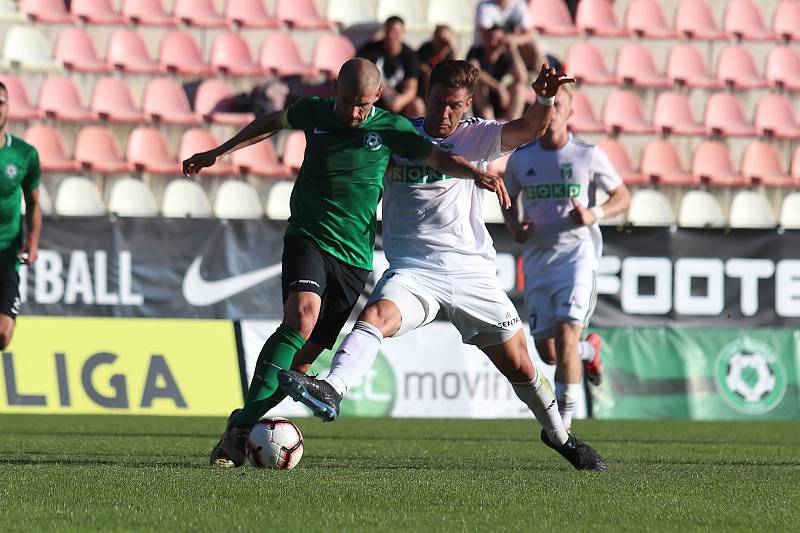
(441, 46)
(501, 89)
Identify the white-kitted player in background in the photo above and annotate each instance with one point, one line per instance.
(557, 175)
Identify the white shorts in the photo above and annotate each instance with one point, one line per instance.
(473, 302)
(567, 293)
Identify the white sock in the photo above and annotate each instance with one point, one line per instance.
(585, 351)
(539, 397)
(355, 356)
(567, 397)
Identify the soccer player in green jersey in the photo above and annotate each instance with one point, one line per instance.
(19, 176)
(328, 246)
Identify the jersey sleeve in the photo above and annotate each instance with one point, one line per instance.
(512, 178)
(604, 174)
(300, 115)
(33, 176)
(485, 140)
(405, 141)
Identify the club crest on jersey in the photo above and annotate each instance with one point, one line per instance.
(445, 147)
(566, 171)
(372, 141)
(11, 171)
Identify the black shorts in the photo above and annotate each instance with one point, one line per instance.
(307, 268)
(9, 292)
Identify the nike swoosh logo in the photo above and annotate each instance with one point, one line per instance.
(318, 131)
(199, 292)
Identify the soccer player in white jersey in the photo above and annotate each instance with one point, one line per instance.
(441, 258)
(557, 175)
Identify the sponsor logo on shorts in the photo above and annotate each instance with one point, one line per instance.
(373, 141)
(15, 305)
(750, 376)
(508, 323)
(553, 191)
(304, 282)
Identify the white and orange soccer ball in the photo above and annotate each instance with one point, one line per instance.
(274, 443)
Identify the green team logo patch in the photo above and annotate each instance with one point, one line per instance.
(553, 191)
(372, 141)
(566, 171)
(750, 376)
(11, 171)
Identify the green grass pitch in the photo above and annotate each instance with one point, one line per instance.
(111, 473)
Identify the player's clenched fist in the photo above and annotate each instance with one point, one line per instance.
(523, 231)
(580, 214)
(193, 165)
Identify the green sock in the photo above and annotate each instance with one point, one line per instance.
(264, 393)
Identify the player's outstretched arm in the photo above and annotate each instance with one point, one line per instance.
(458, 167)
(618, 201)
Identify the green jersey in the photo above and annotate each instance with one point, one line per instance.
(19, 170)
(341, 180)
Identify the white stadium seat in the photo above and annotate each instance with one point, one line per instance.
(412, 14)
(130, 197)
(751, 209)
(44, 202)
(452, 13)
(700, 209)
(185, 198)
(78, 197)
(277, 207)
(790, 211)
(600, 198)
(650, 207)
(237, 199)
(27, 48)
(351, 12)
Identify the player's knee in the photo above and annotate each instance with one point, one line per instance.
(5, 336)
(384, 315)
(547, 351)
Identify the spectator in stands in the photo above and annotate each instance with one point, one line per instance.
(498, 59)
(399, 69)
(441, 46)
(513, 17)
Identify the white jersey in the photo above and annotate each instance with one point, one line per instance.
(549, 179)
(434, 221)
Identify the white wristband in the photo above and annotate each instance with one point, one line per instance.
(547, 101)
(599, 212)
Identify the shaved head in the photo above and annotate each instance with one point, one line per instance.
(358, 87)
(359, 75)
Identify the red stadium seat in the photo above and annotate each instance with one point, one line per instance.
(294, 150)
(725, 115)
(165, 101)
(112, 101)
(687, 66)
(597, 17)
(302, 14)
(744, 20)
(249, 14)
(46, 11)
(673, 114)
(330, 53)
(786, 20)
(128, 52)
(762, 164)
(551, 17)
(96, 12)
(231, 55)
(214, 100)
(661, 163)
(76, 50)
(695, 19)
(148, 151)
(585, 62)
(619, 157)
(712, 164)
(584, 117)
(19, 105)
(260, 159)
(646, 18)
(196, 140)
(180, 54)
(280, 55)
(147, 13)
(96, 150)
(775, 117)
(737, 68)
(783, 68)
(636, 66)
(198, 13)
(623, 112)
(53, 152)
(59, 99)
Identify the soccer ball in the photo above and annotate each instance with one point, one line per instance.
(274, 443)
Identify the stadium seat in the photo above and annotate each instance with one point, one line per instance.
(294, 150)
(790, 211)
(597, 17)
(196, 140)
(19, 105)
(96, 12)
(762, 164)
(745, 21)
(185, 198)
(725, 116)
(237, 199)
(695, 19)
(661, 163)
(26, 48)
(198, 13)
(147, 13)
(585, 62)
(636, 66)
(112, 101)
(775, 117)
(46, 11)
(59, 100)
(584, 117)
(79, 196)
(551, 17)
(277, 205)
(10, 13)
(619, 157)
(148, 151)
(347, 13)
(410, 12)
(783, 68)
(646, 18)
(700, 209)
(75, 49)
(623, 112)
(260, 159)
(128, 52)
(280, 55)
(601, 197)
(750, 209)
(180, 54)
(795, 169)
(130, 197)
(712, 164)
(451, 13)
(737, 68)
(215, 102)
(249, 14)
(44, 202)
(330, 53)
(231, 55)
(53, 152)
(672, 113)
(165, 101)
(96, 150)
(687, 66)
(302, 15)
(786, 20)
(650, 207)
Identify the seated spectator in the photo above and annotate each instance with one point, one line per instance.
(441, 46)
(399, 69)
(501, 89)
(514, 19)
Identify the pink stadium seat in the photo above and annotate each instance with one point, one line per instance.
(19, 105)
(76, 50)
(646, 18)
(687, 66)
(213, 102)
(762, 164)
(280, 55)
(96, 150)
(196, 140)
(725, 115)
(783, 68)
(46, 11)
(744, 20)
(673, 114)
(636, 66)
(737, 68)
(551, 17)
(230, 54)
(52, 148)
(165, 101)
(330, 53)
(301, 14)
(786, 20)
(198, 13)
(597, 17)
(662, 164)
(147, 13)
(112, 101)
(180, 54)
(712, 164)
(127, 52)
(148, 151)
(59, 99)
(249, 14)
(294, 150)
(585, 62)
(584, 118)
(96, 12)
(695, 19)
(775, 117)
(623, 112)
(260, 159)
(619, 157)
